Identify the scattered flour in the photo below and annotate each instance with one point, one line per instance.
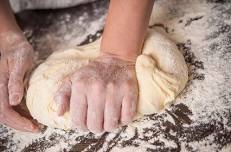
(200, 119)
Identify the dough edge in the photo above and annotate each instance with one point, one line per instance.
(161, 73)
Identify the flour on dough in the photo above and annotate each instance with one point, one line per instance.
(161, 72)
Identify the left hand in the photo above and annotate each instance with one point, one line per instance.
(15, 62)
(101, 95)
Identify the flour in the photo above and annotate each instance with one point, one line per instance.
(200, 118)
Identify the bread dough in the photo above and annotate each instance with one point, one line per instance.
(161, 72)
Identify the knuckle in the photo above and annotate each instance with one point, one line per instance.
(96, 94)
(111, 86)
(98, 85)
(78, 85)
(78, 81)
(82, 74)
(129, 83)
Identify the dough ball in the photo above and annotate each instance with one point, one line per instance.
(161, 72)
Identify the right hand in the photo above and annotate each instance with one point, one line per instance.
(16, 60)
(101, 94)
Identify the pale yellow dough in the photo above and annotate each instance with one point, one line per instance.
(161, 72)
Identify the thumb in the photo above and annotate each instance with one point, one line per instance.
(62, 97)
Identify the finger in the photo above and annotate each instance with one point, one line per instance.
(16, 88)
(18, 63)
(3, 85)
(12, 119)
(15, 84)
(95, 111)
(129, 105)
(62, 97)
(78, 104)
(112, 108)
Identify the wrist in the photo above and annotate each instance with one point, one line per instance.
(109, 58)
(125, 56)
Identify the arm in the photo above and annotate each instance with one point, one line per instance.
(16, 59)
(8, 26)
(7, 18)
(104, 93)
(126, 27)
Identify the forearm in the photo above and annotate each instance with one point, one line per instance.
(125, 27)
(10, 33)
(8, 22)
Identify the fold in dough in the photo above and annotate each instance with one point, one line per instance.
(161, 72)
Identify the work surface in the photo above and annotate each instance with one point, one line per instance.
(200, 118)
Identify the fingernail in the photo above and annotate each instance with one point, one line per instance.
(34, 129)
(37, 130)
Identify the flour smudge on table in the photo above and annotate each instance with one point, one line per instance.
(200, 118)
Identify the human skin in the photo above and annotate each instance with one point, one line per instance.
(104, 93)
(15, 62)
(101, 94)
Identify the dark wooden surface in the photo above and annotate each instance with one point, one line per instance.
(176, 124)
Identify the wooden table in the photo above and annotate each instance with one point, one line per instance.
(200, 120)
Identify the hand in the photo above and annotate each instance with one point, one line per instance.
(16, 60)
(102, 94)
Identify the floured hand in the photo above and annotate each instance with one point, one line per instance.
(16, 61)
(100, 95)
